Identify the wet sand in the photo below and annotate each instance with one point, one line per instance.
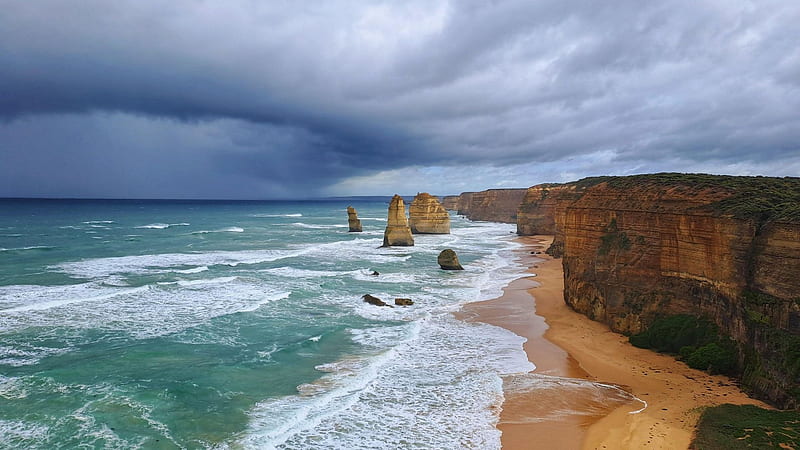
(563, 343)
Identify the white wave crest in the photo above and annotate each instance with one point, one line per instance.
(221, 230)
(161, 226)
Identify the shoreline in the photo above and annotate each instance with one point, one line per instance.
(563, 343)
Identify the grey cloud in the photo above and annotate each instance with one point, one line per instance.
(302, 96)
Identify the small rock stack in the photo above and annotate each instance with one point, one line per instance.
(352, 220)
(448, 260)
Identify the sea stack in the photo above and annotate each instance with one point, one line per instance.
(448, 260)
(397, 229)
(352, 220)
(427, 216)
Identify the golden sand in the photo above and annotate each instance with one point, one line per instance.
(563, 343)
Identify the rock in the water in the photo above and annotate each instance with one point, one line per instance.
(372, 300)
(403, 302)
(397, 230)
(352, 220)
(427, 216)
(448, 260)
(375, 273)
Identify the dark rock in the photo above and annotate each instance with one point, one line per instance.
(448, 260)
(375, 273)
(372, 300)
(403, 301)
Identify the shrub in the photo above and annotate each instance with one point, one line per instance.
(713, 357)
(695, 339)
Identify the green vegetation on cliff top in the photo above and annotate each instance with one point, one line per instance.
(746, 426)
(759, 198)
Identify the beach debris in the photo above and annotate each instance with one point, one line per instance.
(448, 260)
(397, 230)
(352, 220)
(403, 302)
(372, 300)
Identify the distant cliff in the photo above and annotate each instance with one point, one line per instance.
(493, 205)
(726, 248)
(450, 202)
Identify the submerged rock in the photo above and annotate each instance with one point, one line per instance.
(427, 216)
(372, 300)
(448, 260)
(403, 302)
(397, 230)
(352, 220)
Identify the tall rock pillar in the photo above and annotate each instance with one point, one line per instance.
(352, 220)
(397, 229)
(427, 216)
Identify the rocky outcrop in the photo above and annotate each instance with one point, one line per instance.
(397, 232)
(427, 216)
(352, 220)
(726, 248)
(372, 300)
(450, 202)
(448, 260)
(493, 205)
(403, 302)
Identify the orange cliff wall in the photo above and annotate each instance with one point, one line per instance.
(493, 205)
(635, 252)
(450, 202)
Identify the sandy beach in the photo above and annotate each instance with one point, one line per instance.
(564, 346)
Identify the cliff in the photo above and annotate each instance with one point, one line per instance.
(397, 230)
(493, 205)
(427, 216)
(726, 248)
(450, 202)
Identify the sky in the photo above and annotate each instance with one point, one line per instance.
(251, 99)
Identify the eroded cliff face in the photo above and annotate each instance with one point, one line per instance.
(493, 205)
(427, 216)
(635, 249)
(450, 202)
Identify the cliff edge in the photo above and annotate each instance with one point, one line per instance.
(725, 248)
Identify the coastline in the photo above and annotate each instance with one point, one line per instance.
(563, 343)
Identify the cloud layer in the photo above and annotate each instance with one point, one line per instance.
(249, 99)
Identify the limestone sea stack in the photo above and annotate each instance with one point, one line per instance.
(448, 260)
(397, 230)
(352, 220)
(427, 216)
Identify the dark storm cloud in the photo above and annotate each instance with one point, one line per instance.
(253, 99)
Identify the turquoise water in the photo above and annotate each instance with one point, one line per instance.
(240, 325)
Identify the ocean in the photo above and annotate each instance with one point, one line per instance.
(183, 324)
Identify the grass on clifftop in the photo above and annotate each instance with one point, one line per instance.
(746, 426)
(759, 198)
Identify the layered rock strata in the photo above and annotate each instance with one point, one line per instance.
(353, 221)
(427, 216)
(493, 205)
(450, 202)
(397, 232)
(726, 248)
